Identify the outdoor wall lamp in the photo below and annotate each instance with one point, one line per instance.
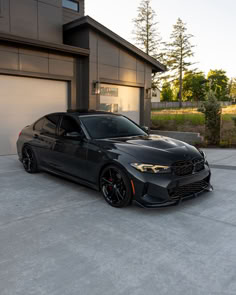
(149, 93)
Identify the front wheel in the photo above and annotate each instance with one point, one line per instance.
(115, 187)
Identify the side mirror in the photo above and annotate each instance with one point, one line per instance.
(145, 129)
(74, 135)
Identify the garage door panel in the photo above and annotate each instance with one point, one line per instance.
(121, 99)
(24, 100)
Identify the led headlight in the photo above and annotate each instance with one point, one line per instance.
(151, 168)
(203, 154)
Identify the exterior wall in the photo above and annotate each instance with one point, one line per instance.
(25, 61)
(112, 64)
(70, 15)
(109, 63)
(156, 96)
(32, 19)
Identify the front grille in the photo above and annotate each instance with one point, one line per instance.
(188, 190)
(183, 168)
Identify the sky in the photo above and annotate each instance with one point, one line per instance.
(212, 22)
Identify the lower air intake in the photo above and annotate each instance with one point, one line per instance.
(188, 190)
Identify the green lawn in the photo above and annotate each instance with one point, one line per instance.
(193, 121)
(178, 119)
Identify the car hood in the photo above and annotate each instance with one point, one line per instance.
(153, 149)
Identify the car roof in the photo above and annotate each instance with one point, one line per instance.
(82, 112)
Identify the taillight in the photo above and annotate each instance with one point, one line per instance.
(20, 133)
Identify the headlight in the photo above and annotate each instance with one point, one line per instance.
(151, 168)
(203, 154)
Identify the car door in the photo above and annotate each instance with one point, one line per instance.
(44, 134)
(70, 148)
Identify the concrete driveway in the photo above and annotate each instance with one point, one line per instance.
(57, 237)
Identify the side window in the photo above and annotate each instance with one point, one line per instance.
(68, 125)
(39, 125)
(50, 124)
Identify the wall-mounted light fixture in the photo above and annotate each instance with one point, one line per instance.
(149, 93)
(96, 87)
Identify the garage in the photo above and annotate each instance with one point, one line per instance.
(23, 100)
(121, 99)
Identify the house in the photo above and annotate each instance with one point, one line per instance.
(53, 58)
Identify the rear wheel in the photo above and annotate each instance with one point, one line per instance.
(29, 160)
(115, 187)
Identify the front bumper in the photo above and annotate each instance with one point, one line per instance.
(163, 190)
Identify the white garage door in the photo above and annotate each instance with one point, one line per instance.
(23, 101)
(121, 99)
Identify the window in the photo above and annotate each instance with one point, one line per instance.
(71, 4)
(39, 125)
(50, 124)
(68, 125)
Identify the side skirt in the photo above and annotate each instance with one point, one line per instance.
(71, 178)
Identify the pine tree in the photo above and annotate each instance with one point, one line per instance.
(179, 50)
(147, 36)
(146, 32)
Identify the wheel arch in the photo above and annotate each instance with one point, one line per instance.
(114, 163)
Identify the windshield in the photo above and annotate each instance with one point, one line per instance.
(108, 126)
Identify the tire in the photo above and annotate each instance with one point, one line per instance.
(115, 187)
(29, 160)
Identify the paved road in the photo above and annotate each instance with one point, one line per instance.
(59, 238)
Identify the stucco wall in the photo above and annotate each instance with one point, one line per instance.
(31, 60)
(32, 19)
(110, 63)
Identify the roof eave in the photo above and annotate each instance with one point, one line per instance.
(88, 21)
(44, 45)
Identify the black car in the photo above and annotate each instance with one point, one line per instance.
(111, 153)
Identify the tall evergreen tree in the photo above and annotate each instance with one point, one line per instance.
(147, 36)
(179, 51)
(145, 30)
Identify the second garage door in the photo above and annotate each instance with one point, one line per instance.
(121, 99)
(24, 100)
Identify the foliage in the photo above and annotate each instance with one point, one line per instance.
(147, 36)
(218, 82)
(146, 32)
(167, 92)
(194, 86)
(232, 88)
(234, 120)
(212, 110)
(179, 50)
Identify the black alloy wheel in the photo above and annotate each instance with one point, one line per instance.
(29, 160)
(115, 187)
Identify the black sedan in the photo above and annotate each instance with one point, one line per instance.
(112, 154)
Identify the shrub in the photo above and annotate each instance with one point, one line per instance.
(212, 110)
(234, 119)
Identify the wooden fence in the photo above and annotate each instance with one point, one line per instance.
(185, 104)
